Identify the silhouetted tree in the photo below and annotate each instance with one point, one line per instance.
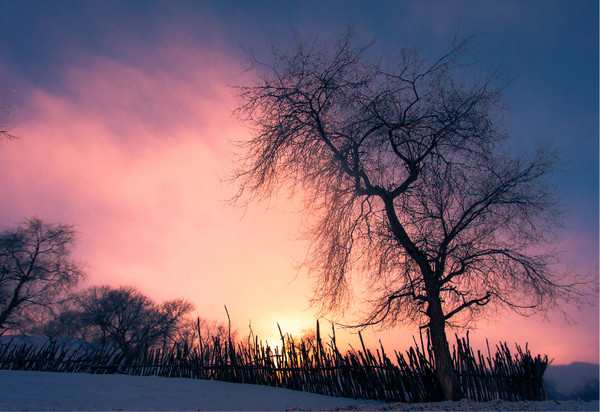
(36, 271)
(129, 320)
(68, 323)
(407, 181)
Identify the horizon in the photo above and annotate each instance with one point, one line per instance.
(123, 114)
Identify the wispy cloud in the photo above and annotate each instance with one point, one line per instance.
(133, 155)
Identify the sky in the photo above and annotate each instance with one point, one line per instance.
(123, 110)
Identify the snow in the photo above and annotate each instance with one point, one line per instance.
(26, 390)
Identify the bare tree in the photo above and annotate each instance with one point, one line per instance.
(408, 181)
(129, 320)
(171, 320)
(36, 271)
(208, 330)
(68, 323)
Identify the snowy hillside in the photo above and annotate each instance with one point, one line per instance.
(575, 381)
(74, 391)
(71, 391)
(70, 344)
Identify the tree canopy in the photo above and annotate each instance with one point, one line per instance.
(408, 181)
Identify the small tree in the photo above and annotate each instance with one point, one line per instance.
(36, 271)
(407, 182)
(129, 320)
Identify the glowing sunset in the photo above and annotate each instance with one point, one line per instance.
(125, 125)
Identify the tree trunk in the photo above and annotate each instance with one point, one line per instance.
(14, 302)
(451, 388)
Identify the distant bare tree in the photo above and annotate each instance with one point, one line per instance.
(407, 181)
(170, 322)
(308, 336)
(68, 323)
(129, 320)
(36, 271)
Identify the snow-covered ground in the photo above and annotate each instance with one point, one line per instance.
(65, 391)
(21, 390)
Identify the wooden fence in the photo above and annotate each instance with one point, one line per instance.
(308, 366)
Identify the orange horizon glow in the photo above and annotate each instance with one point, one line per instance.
(135, 156)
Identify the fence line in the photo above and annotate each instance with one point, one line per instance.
(308, 366)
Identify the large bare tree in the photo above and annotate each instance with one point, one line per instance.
(36, 271)
(408, 182)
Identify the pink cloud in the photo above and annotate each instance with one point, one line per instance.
(132, 153)
(133, 156)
